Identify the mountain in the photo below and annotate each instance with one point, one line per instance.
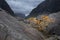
(50, 6)
(20, 15)
(4, 5)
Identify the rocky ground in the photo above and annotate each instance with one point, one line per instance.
(12, 29)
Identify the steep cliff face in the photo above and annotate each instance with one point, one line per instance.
(51, 6)
(6, 7)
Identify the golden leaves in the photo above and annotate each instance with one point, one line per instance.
(42, 23)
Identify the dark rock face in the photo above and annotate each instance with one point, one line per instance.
(6, 7)
(51, 6)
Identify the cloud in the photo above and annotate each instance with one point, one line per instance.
(23, 6)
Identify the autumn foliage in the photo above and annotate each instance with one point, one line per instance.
(43, 23)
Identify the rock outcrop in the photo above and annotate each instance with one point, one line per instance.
(4, 5)
(50, 6)
(55, 27)
(12, 29)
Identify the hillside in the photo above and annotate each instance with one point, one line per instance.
(47, 6)
(12, 29)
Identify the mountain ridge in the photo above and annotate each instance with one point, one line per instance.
(51, 6)
(4, 5)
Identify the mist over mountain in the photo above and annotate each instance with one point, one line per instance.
(20, 15)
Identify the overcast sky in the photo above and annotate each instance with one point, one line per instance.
(23, 6)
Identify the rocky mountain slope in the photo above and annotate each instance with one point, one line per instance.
(12, 29)
(50, 6)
